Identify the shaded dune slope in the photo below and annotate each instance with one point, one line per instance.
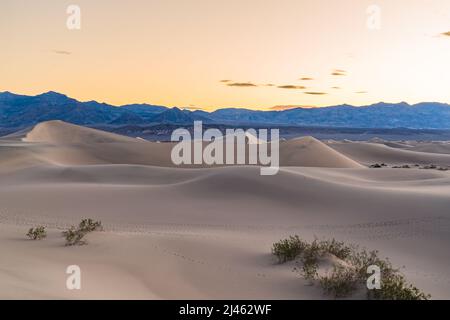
(369, 153)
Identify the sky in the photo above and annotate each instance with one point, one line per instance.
(210, 54)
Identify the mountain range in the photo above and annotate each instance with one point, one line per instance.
(20, 111)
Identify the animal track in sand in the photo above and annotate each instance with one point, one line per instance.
(189, 259)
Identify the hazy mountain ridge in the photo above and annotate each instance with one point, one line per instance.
(18, 111)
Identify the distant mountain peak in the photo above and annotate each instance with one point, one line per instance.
(55, 97)
(52, 94)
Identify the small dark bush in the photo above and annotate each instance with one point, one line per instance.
(288, 249)
(341, 283)
(37, 233)
(90, 225)
(74, 236)
(395, 287)
(309, 267)
(405, 166)
(336, 248)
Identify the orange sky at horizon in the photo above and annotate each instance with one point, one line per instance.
(214, 54)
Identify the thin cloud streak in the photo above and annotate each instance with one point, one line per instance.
(339, 72)
(62, 52)
(242, 84)
(289, 86)
(316, 93)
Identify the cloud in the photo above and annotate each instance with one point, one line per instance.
(446, 33)
(225, 81)
(361, 92)
(289, 107)
(316, 93)
(337, 88)
(339, 72)
(241, 84)
(62, 52)
(269, 85)
(290, 86)
(306, 79)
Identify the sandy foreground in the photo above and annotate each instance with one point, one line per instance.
(206, 233)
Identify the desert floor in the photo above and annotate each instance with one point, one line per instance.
(206, 233)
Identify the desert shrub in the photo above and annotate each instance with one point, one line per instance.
(345, 278)
(90, 225)
(341, 283)
(74, 236)
(405, 166)
(309, 267)
(395, 287)
(37, 233)
(288, 249)
(336, 248)
(362, 259)
(376, 166)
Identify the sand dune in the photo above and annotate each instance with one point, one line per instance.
(68, 144)
(59, 132)
(369, 153)
(197, 233)
(310, 152)
(430, 147)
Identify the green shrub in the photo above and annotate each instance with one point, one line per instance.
(37, 233)
(90, 225)
(395, 287)
(74, 236)
(362, 259)
(346, 278)
(288, 249)
(341, 283)
(336, 248)
(309, 267)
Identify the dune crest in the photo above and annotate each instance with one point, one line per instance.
(60, 132)
(310, 152)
